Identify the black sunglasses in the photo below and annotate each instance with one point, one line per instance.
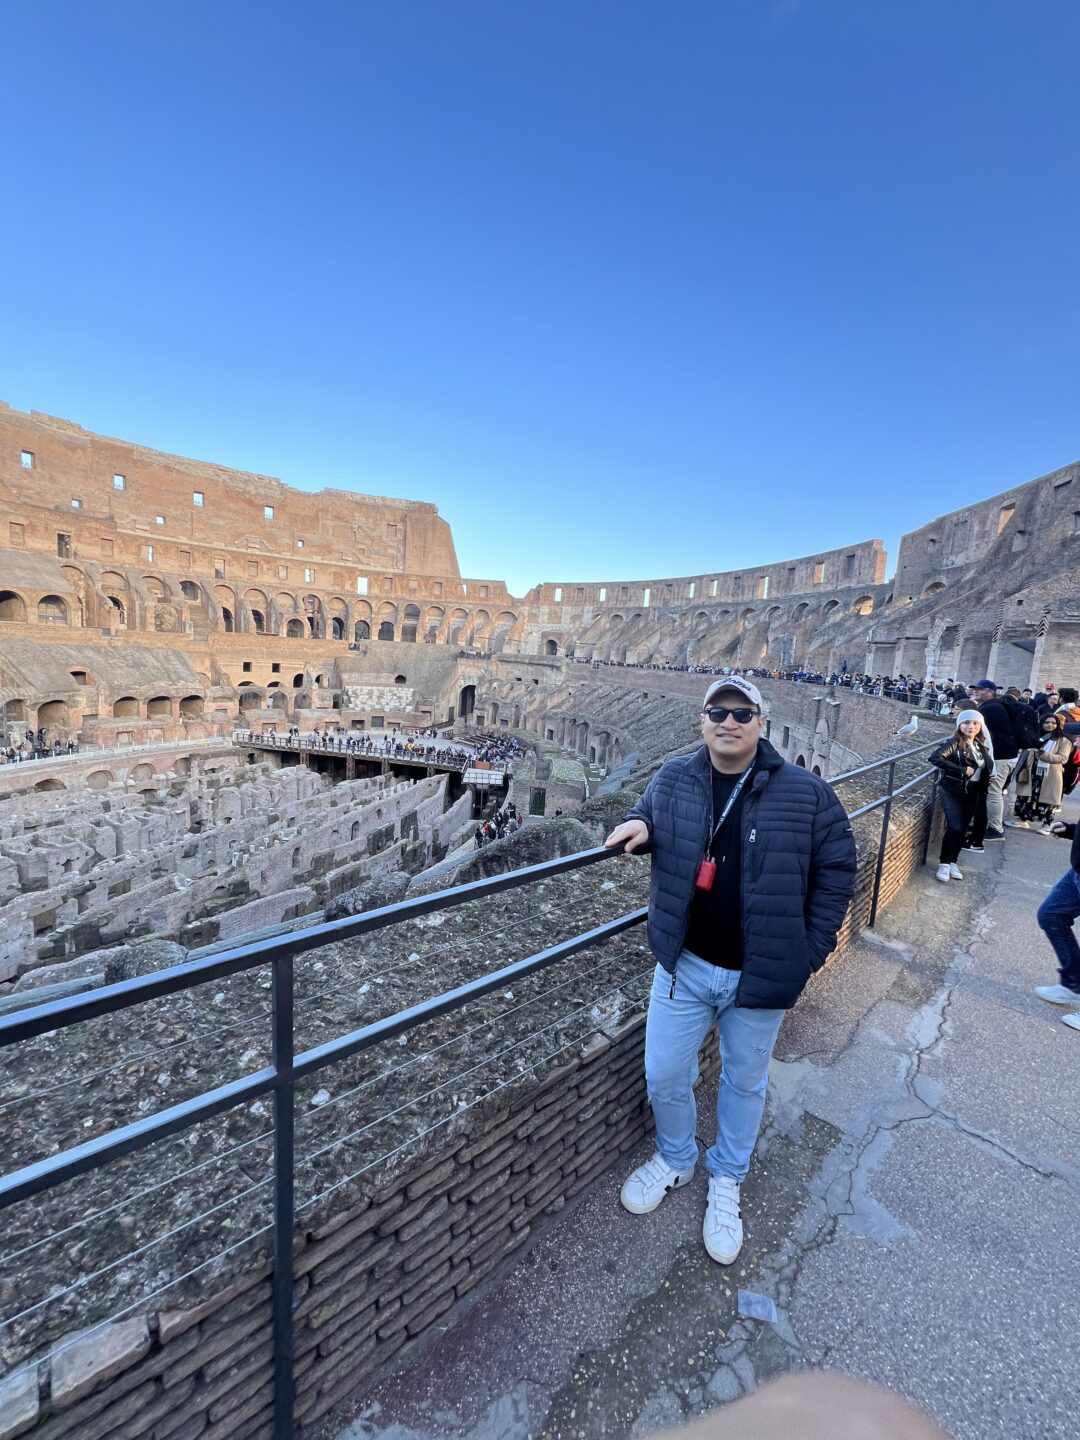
(719, 713)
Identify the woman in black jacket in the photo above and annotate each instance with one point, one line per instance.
(966, 762)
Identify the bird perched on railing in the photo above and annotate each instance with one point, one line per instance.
(910, 728)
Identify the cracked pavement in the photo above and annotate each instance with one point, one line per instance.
(911, 1211)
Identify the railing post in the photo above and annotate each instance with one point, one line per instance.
(930, 817)
(885, 816)
(281, 1001)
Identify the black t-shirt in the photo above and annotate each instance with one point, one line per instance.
(715, 932)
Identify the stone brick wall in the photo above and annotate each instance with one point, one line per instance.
(376, 1276)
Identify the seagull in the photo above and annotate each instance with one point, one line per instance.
(910, 728)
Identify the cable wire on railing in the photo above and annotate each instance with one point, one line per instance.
(464, 1035)
(130, 1200)
(100, 1325)
(130, 1255)
(458, 1111)
(462, 1075)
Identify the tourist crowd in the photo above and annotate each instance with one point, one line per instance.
(37, 746)
(507, 821)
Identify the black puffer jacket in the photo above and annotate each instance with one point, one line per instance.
(999, 721)
(954, 762)
(798, 869)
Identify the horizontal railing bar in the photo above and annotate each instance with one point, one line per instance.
(45, 1174)
(884, 799)
(55, 1014)
(393, 1025)
(880, 764)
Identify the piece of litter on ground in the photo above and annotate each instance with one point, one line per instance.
(753, 1306)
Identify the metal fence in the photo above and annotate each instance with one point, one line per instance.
(280, 1078)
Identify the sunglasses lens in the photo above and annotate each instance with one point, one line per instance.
(719, 713)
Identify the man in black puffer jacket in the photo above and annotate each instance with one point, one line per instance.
(753, 867)
(1056, 916)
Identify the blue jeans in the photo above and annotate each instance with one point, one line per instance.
(673, 1035)
(1055, 917)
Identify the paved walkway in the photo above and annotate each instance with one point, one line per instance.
(911, 1212)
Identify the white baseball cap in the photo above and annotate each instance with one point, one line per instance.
(734, 682)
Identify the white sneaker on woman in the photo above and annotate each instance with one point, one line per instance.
(943, 873)
(955, 873)
(1058, 994)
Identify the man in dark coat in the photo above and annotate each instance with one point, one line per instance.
(753, 867)
(1003, 740)
(1056, 917)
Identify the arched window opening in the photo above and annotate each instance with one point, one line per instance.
(12, 607)
(51, 610)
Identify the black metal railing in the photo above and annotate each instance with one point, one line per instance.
(286, 1069)
(885, 804)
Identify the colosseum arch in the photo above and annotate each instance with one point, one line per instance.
(410, 621)
(480, 627)
(504, 623)
(125, 707)
(259, 608)
(829, 609)
(52, 610)
(799, 613)
(115, 589)
(934, 588)
(434, 616)
(191, 591)
(455, 624)
(361, 613)
(226, 602)
(191, 707)
(51, 784)
(551, 647)
(387, 621)
(156, 587)
(771, 613)
(52, 712)
(294, 629)
(100, 779)
(746, 615)
(315, 616)
(160, 707)
(863, 605)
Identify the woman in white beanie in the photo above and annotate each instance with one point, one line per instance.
(966, 762)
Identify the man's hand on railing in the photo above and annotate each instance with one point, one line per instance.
(631, 834)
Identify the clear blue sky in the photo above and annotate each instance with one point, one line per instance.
(626, 289)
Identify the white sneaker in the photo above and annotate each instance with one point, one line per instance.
(722, 1230)
(646, 1187)
(1058, 994)
(1018, 824)
(955, 873)
(1044, 830)
(1071, 1020)
(943, 873)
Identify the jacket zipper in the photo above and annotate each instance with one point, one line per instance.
(686, 927)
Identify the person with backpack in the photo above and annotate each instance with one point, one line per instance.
(1040, 777)
(1069, 708)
